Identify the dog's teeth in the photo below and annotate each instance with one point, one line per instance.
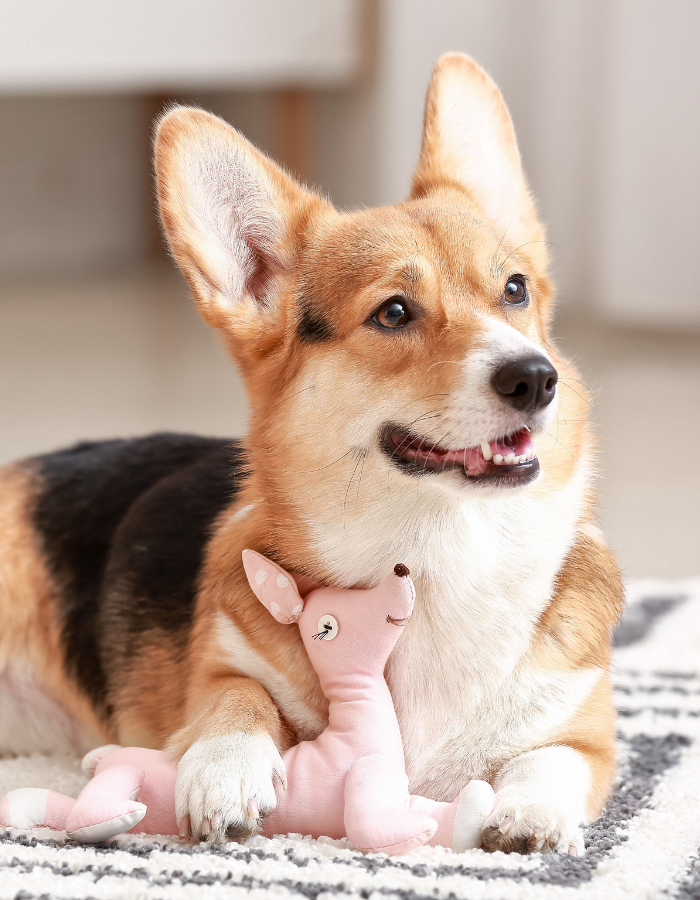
(509, 460)
(486, 451)
(498, 459)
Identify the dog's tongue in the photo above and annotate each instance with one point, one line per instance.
(474, 459)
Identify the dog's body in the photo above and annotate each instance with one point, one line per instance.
(378, 349)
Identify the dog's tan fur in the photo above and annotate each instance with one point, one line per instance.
(259, 251)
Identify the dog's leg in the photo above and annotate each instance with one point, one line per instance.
(545, 795)
(540, 803)
(229, 761)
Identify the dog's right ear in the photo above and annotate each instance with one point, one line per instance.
(469, 140)
(230, 214)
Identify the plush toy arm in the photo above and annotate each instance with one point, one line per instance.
(381, 816)
(377, 814)
(106, 807)
(273, 587)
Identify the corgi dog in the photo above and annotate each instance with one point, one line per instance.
(406, 403)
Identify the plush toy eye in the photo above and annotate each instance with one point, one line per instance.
(327, 629)
(393, 313)
(516, 292)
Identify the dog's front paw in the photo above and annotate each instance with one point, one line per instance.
(226, 785)
(531, 828)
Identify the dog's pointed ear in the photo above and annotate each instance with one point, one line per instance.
(230, 214)
(469, 140)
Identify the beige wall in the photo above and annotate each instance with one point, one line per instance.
(73, 184)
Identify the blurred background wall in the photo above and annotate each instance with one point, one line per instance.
(97, 335)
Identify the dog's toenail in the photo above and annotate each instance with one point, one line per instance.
(506, 825)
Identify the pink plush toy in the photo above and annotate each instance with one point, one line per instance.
(350, 781)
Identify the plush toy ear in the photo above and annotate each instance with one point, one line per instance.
(273, 587)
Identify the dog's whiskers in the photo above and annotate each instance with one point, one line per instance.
(526, 244)
(441, 362)
(360, 455)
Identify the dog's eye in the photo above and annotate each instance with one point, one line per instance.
(393, 313)
(515, 291)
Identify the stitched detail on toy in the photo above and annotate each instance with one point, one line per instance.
(427, 834)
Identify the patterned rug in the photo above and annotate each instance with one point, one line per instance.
(645, 845)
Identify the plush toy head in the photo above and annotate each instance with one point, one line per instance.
(345, 632)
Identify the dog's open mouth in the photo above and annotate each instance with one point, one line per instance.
(510, 459)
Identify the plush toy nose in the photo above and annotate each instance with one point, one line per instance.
(400, 595)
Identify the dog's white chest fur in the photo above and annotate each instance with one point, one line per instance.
(484, 572)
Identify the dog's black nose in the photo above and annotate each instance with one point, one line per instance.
(528, 383)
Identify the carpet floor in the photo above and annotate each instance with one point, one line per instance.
(645, 844)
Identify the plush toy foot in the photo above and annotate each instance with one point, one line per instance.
(90, 760)
(474, 806)
(459, 823)
(106, 807)
(34, 808)
(377, 817)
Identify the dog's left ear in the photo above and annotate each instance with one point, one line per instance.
(468, 139)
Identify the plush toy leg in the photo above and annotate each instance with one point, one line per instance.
(35, 807)
(106, 805)
(377, 816)
(92, 757)
(460, 822)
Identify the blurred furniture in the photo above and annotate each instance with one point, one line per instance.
(155, 46)
(166, 48)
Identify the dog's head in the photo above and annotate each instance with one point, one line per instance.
(409, 342)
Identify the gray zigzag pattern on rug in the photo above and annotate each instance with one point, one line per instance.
(638, 620)
(688, 886)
